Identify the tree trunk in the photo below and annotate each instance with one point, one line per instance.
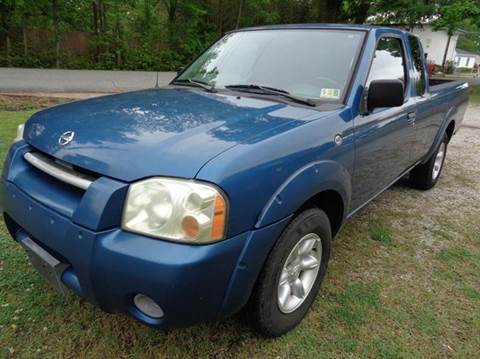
(25, 42)
(103, 17)
(118, 47)
(171, 6)
(329, 10)
(220, 16)
(56, 29)
(6, 14)
(8, 49)
(361, 12)
(446, 52)
(103, 25)
(95, 17)
(172, 11)
(239, 15)
(97, 26)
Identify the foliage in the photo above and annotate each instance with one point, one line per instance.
(471, 40)
(407, 12)
(166, 34)
(449, 67)
(452, 14)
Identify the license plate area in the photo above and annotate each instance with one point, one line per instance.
(47, 265)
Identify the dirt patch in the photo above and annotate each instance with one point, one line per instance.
(23, 103)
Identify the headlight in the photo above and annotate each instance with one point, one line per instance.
(19, 136)
(179, 210)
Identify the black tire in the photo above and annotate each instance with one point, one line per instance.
(421, 177)
(263, 310)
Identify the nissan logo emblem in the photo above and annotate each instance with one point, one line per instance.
(66, 138)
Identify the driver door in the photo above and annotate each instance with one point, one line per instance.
(384, 137)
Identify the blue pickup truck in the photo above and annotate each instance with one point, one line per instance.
(224, 189)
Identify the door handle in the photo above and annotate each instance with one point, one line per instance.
(411, 118)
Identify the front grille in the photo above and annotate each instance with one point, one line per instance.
(59, 170)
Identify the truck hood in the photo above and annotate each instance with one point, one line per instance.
(157, 132)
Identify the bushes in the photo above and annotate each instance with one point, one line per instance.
(449, 67)
(141, 58)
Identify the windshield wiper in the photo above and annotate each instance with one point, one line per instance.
(271, 91)
(196, 83)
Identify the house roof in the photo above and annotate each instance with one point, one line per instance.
(466, 53)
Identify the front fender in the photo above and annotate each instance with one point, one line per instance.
(304, 184)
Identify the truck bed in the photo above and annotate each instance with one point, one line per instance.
(450, 93)
(439, 83)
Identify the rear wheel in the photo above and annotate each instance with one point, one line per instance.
(292, 274)
(426, 175)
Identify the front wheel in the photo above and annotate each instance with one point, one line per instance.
(292, 274)
(426, 175)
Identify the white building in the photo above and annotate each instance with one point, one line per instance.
(466, 59)
(435, 43)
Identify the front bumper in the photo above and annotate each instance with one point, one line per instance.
(109, 267)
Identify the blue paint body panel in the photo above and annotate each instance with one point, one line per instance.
(170, 131)
(191, 283)
(269, 156)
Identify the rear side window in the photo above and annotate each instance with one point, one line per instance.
(388, 62)
(419, 65)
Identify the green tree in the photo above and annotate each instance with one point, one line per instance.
(454, 14)
(470, 41)
(7, 21)
(164, 34)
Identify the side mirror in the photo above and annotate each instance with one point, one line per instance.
(385, 93)
(180, 70)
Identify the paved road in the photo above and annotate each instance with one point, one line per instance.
(15, 80)
(473, 81)
(48, 81)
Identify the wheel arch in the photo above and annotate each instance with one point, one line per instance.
(324, 184)
(331, 202)
(450, 129)
(446, 127)
(320, 184)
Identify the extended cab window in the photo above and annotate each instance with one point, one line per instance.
(388, 62)
(419, 65)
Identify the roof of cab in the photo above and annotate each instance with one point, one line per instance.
(319, 26)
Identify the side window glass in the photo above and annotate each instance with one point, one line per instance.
(419, 65)
(388, 62)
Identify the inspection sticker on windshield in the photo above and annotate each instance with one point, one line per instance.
(330, 93)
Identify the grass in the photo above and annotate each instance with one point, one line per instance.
(475, 94)
(380, 232)
(441, 233)
(454, 254)
(402, 283)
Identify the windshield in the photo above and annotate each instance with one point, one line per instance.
(313, 64)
